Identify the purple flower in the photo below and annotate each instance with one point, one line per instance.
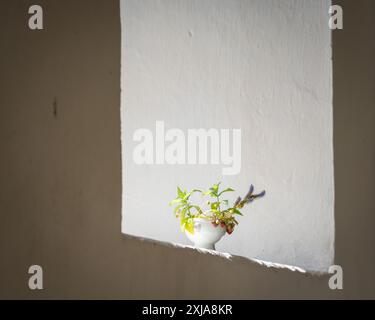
(262, 194)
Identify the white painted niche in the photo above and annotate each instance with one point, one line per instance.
(261, 66)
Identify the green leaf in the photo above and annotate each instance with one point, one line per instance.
(182, 227)
(187, 195)
(213, 191)
(177, 208)
(199, 210)
(180, 193)
(215, 205)
(226, 190)
(189, 226)
(235, 211)
(182, 217)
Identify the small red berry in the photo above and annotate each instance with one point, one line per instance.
(222, 224)
(229, 230)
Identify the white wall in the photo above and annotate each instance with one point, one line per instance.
(263, 66)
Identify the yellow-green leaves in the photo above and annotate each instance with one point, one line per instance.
(189, 225)
(185, 210)
(219, 211)
(226, 190)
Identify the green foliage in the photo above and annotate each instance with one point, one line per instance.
(185, 210)
(219, 212)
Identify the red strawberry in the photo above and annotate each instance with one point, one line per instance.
(222, 224)
(229, 230)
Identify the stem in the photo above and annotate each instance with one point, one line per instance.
(218, 201)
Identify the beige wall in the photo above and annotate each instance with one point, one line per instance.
(354, 146)
(60, 177)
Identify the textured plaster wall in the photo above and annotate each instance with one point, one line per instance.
(260, 66)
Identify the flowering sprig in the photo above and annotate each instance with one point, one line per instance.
(219, 212)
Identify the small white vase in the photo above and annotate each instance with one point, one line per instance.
(206, 235)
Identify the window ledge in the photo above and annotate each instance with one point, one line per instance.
(230, 257)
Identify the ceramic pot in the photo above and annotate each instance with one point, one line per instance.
(206, 235)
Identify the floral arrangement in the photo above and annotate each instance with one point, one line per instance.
(218, 211)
